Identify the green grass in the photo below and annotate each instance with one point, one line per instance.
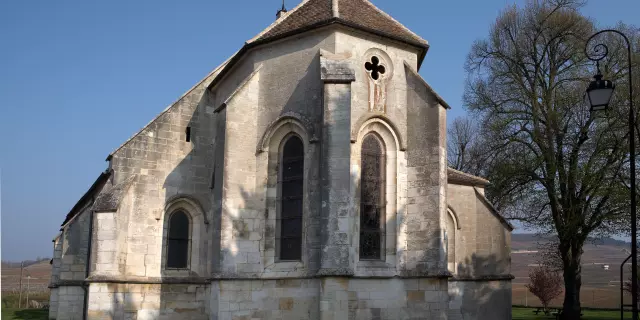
(527, 314)
(10, 300)
(24, 314)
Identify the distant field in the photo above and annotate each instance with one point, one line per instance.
(40, 277)
(600, 287)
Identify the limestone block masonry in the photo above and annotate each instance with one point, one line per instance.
(191, 219)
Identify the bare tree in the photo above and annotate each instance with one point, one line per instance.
(462, 134)
(556, 167)
(466, 150)
(544, 284)
(549, 255)
(627, 285)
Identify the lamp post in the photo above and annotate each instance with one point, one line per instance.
(599, 93)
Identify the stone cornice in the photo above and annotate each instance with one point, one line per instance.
(147, 280)
(502, 277)
(326, 273)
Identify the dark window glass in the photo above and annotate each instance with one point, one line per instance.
(178, 241)
(291, 188)
(372, 217)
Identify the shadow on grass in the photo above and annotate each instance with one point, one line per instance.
(25, 314)
(527, 314)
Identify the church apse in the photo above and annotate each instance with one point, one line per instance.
(304, 178)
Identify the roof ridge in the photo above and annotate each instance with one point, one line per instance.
(278, 21)
(394, 20)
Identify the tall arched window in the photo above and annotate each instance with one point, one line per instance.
(450, 242)
(178, 242)
(291, 194)
(372, 199)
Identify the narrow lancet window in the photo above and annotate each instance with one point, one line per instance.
(291, 197)
(178, 241)
(372, 199)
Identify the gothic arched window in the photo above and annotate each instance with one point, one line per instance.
(291, 196)
(372, 199)
(178, 241)
(450, 241)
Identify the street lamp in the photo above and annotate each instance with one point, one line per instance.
(599, 93)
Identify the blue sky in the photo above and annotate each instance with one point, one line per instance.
(78, 78)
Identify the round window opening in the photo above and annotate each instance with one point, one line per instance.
(374, 68)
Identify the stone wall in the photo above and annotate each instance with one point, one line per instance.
(483, 241)
(266, 299)
(271, 102)
(53, 303)
(159, 166)
(493, 242)
(55, 276)
(75, 247)
(357, 45)
(148, 301)
(481, 287)
(69, 267)
(70, 303)
(326, 298)
(479, 300)
(395, 298)
(330, 298)
(427, 176)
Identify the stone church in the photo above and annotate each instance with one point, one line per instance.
(304, 178)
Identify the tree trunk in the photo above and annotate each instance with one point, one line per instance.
(572, 283)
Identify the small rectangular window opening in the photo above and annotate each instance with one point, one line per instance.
(213, 179)
(188, 132)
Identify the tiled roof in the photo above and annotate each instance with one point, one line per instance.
(365, 14)
(311, 14)
(93, 190)
(360, 14)
(110, 197)
(307, 14)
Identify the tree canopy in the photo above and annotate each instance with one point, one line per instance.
(554, 165)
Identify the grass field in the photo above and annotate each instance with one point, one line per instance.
(10, 300)
(24, 314)
(527, 314)
(590, 297)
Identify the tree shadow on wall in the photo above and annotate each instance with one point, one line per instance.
(481, 288)
(183, 292)
(120, 304)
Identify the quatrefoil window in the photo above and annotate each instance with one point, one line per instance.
(374, 68)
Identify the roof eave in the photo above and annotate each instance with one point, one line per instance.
(469, 183)
(104, 176)
(438, 98)
(462, 178)
(424, 47)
